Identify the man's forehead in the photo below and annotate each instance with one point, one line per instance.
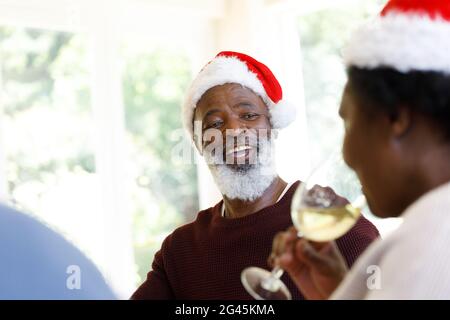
(234, 88)
(211, 98)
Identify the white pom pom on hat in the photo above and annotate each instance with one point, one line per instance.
(235, 67)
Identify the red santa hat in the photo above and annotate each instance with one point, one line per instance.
(407, 35)
(235, 67)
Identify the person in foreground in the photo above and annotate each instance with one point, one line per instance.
(396, 111)
(231, 111)
(36, 263)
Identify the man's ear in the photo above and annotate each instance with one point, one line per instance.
(197, 136)
(197, 145)
(401, 122)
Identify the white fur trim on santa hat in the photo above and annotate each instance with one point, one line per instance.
(282, 114)
(224, 70)
(401, 41)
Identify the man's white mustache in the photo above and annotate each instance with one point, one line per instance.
(239, 143)
(239, 148)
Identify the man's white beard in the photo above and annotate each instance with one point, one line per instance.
(246, 182)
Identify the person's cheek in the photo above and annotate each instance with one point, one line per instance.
(347, 148)
(374, 198)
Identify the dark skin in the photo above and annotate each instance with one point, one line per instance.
(232, 106)
(377, 145)
(397, 159)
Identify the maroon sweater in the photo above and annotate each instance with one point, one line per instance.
(204, 259)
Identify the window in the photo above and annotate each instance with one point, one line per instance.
(163, 192)
(91, 97)
(323, 32)
(47, 131)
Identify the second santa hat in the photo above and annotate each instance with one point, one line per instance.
(407, 35)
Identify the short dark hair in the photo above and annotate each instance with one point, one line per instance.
(384, 89)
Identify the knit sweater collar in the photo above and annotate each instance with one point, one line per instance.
(261, 216)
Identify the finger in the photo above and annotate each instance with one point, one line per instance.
(283, 241)
(318, 246)
(306, 253)
(288, 260)
(279, 245)
(294, 267)
(284, 261)
(292, 229)
(275, 247)
(332, 251)
(291, 235)
(328, 260)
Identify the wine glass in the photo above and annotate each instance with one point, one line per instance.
(320, 212)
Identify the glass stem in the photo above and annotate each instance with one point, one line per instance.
(272, 282)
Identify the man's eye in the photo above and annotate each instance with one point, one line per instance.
(250, 116)
(214, 125)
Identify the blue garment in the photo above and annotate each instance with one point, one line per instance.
(38, 263)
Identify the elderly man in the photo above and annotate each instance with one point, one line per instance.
(231, 111)
(396, 110)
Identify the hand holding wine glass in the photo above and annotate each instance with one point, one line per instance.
(316, 268)
(320, 215)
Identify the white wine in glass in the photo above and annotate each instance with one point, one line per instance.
(320, 212)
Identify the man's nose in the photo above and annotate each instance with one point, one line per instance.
(234, 124)
(236, 134)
